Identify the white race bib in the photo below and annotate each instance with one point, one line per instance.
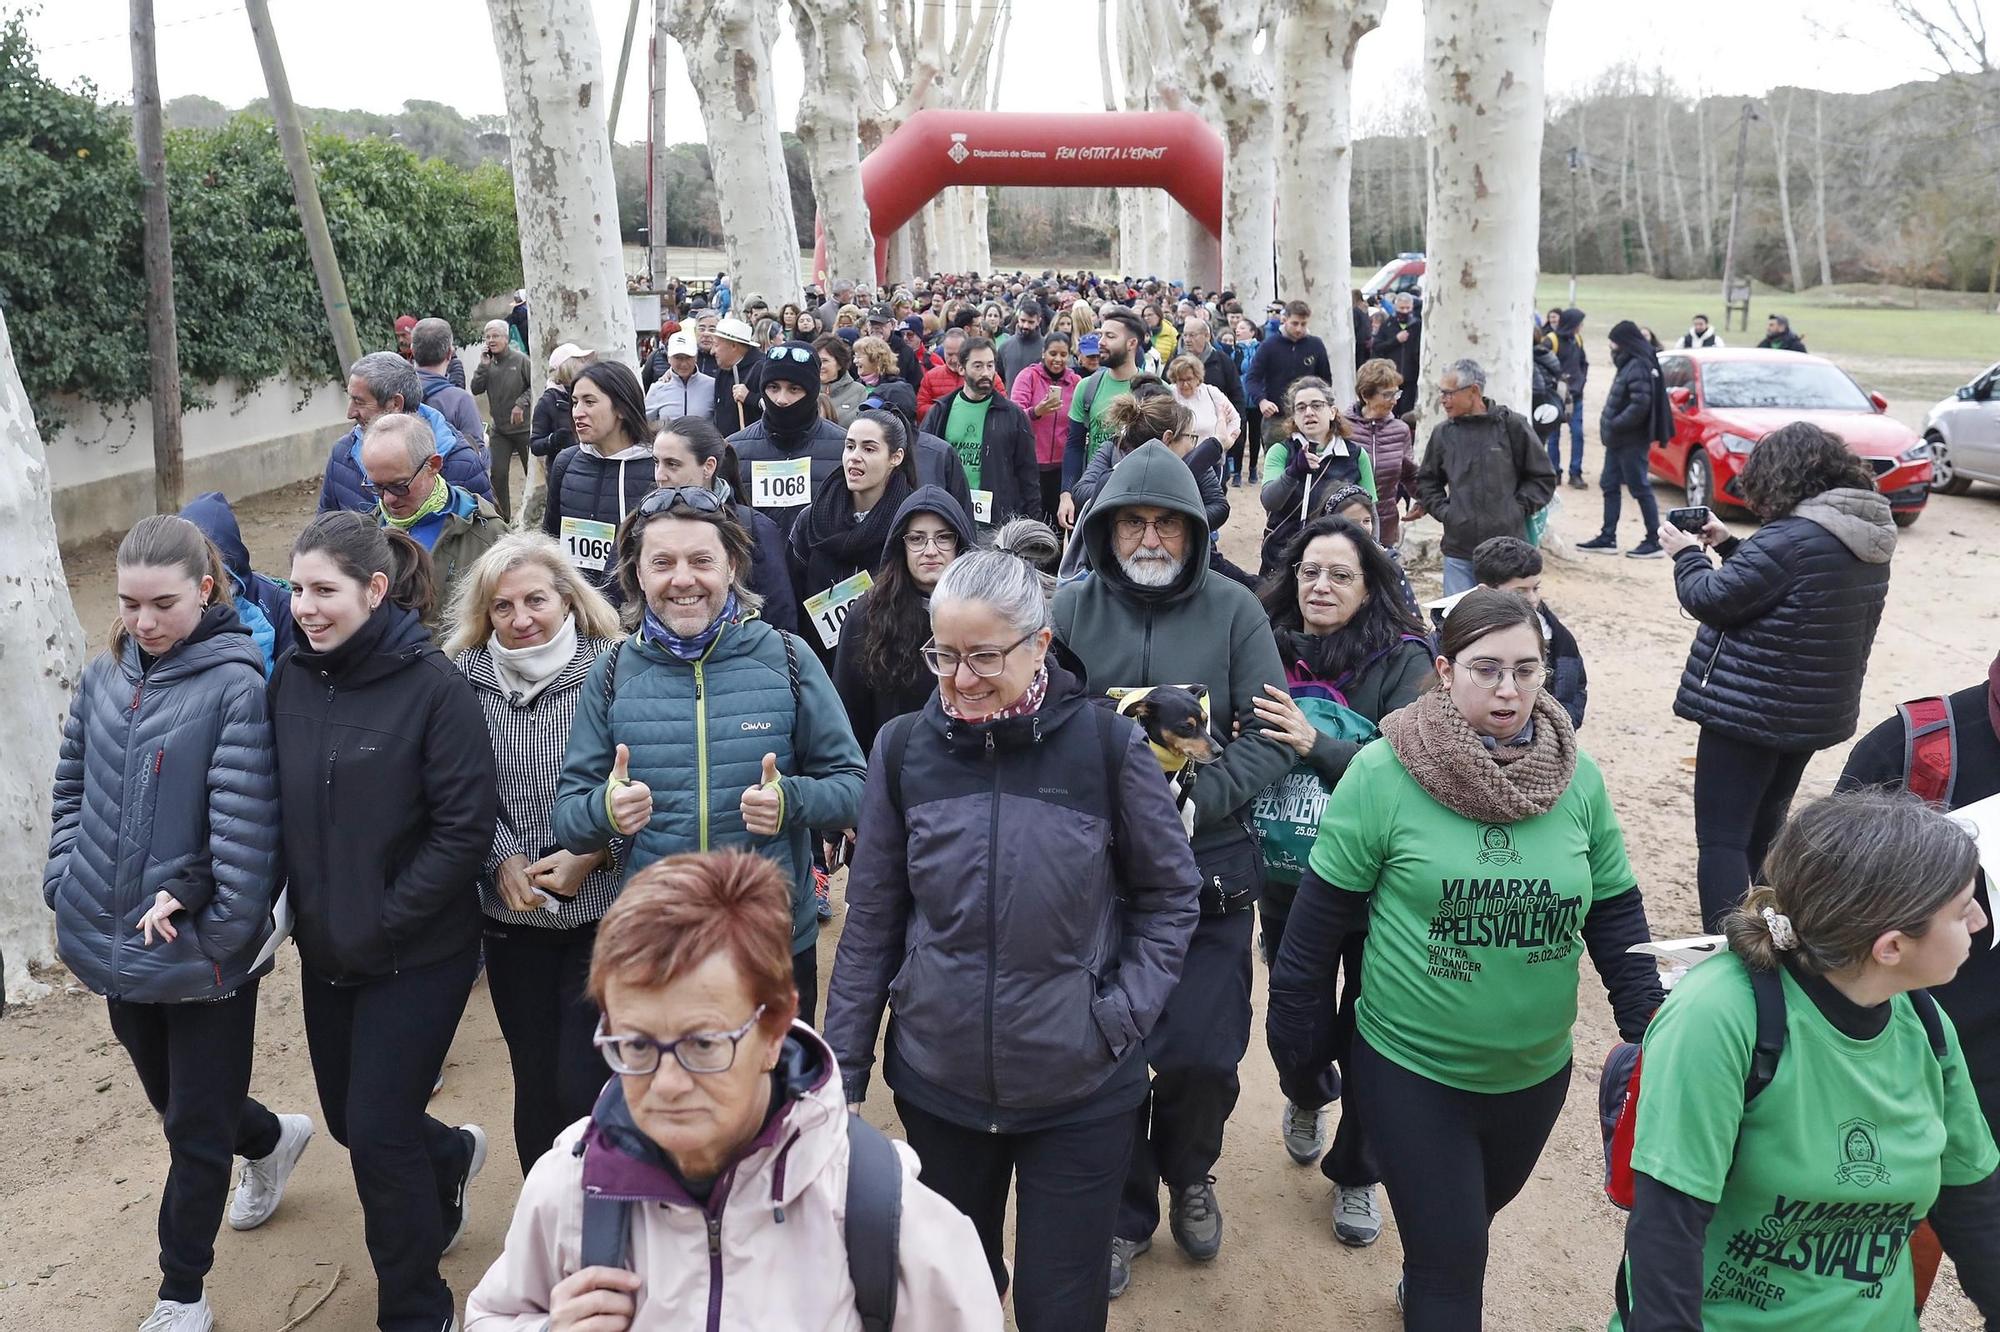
(781, 485)
(828, 610)
(982, 506)
(590, 545)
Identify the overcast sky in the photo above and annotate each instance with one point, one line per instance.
(373, 54)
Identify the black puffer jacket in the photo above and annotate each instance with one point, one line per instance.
(1787, 622)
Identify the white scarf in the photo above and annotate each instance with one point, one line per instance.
(526, 672)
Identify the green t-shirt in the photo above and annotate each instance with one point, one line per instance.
(1818, 1182)
(965, 431)
(1475, 929)
(1109, 390)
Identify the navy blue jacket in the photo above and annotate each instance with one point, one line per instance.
(341, 488)
(263, 603)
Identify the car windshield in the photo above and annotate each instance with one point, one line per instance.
(1806, 384)
(1385, 275)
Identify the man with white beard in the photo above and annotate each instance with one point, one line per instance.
(1153, 614)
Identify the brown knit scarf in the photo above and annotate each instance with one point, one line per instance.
(1441, 751)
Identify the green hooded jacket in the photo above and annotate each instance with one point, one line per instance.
(1199, 629)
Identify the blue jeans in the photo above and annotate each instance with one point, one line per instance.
(1458, 576)
(1575, 438)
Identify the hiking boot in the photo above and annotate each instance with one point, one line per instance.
(1649, 549)
(822, 894)
(1604, 543)
(1576, 482)
(1304, 1132)
(1357, 1216)
(173, 1316)
(456, 1216)
(1195, 1220)
(1123, 1251)
(260, 1184)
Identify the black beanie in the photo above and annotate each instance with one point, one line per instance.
(793, 362)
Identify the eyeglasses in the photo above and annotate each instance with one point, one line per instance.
(1310, 574)
(699, 498)
(799, 354)
(1444, 392)
(1168, 528)
(917, 541)
(698, 1052)
(1310, 405)
(985, 663)
(394, 489)
(1528, 677)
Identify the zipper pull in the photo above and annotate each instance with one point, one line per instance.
(714, 1236)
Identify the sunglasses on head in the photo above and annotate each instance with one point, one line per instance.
(698, 498)
(799, 354)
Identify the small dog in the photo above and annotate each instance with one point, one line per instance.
(1176, 721)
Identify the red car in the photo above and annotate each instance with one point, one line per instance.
(1725, 399)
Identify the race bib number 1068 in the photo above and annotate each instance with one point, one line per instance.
(781, 485)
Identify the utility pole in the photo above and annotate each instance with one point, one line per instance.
(1748, 114)
(305, 189)
(1575, 161)
(162, 343)
(624, 59)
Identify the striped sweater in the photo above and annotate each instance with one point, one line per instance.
(528, 747)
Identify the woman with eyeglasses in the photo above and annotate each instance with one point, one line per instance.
(877, 669)
(1354, 652)
(846, 532)
(602, 477)
(387, 798)
(707, 728)
(1308, 465)
(524, 630)
(1477, 845)
(1022, 897)
(1386, 439)
(721, 1148)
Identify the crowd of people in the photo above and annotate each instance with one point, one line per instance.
(925, 585)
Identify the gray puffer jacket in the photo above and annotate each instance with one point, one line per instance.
(1022, 896)
(166, 781)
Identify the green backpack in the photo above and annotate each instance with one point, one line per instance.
(1287, 813)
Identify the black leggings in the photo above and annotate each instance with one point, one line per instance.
(1742, 793)
(194, 1062)
(1349, 1161)
(536, 978)
(1450, 1161)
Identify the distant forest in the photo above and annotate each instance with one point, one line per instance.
(1895, 186)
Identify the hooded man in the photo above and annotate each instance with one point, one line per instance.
(1575, 369)
(399, 457)
(790, 449)
(263, 603)
(380, 383)
(1153, 614)
(1778, 336)
(1636, 416)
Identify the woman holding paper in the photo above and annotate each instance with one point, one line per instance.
(838, 543)
(524, 631)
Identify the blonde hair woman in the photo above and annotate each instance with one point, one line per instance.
(525, 630)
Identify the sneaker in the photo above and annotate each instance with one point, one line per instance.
(1576, 482)
(1604, 543)
(1196, 1220)
(1304, 1132)
(438, 1084)
(1649, 549)
(822, 893)
(1399, 1295)
(1123, 1251)
(457, 1216)
(260, 1184)
(173, 1316)
(1357, 1217)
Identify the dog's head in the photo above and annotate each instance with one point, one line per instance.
(1175, 720)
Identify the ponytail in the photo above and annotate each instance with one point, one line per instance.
(360, 550)
(169, 541)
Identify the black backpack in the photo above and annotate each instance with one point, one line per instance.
(873, 1226)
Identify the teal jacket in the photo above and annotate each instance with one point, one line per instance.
(698, 732)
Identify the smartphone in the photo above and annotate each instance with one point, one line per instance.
(1690, 520)
(546, 891)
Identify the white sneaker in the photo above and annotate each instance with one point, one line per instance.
(1357, 1217)
(172, 1316)
(260, 1185)
(458, 1216)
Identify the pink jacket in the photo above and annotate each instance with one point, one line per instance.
(783, 1260)
(1051, 431)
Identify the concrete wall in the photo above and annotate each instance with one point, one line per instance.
(101, 463)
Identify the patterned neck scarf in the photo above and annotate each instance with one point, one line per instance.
(1029, 701)
(653, 629)
(440, 496)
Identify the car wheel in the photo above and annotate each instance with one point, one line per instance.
(1945, 479)
(1906, 517)
(1700, 480)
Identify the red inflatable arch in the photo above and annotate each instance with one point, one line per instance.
(1173, 151)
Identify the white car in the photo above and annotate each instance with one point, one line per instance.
(1964, 432)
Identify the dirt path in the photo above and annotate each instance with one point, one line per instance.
(82, 1181)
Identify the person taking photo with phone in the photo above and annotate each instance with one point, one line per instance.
(1306, 467)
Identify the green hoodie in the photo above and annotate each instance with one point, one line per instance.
(1197, 630)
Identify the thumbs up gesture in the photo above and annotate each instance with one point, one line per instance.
(631, 802)
(763, 804)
